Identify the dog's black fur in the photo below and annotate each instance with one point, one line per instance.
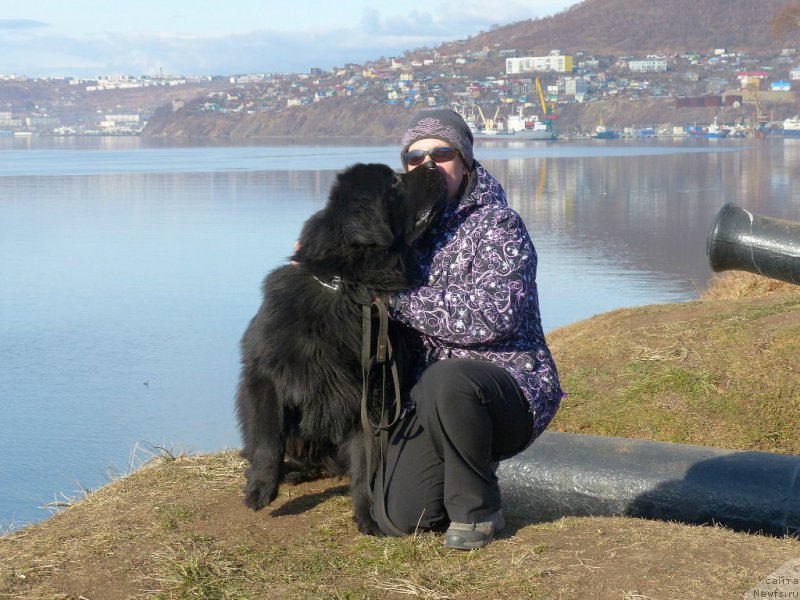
(299, 394)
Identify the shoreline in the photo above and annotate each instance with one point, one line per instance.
(726, 288)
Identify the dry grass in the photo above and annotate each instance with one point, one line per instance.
(225, 551)
(720, 372)
(739, 284)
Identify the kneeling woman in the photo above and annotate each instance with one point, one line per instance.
(487, 385)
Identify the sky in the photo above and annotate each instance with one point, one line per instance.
(85, 38)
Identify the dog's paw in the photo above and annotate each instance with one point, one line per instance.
(258, 494)
(298, 476)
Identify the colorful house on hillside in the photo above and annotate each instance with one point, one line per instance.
(752, 79)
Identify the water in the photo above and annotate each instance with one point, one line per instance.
(129, 271)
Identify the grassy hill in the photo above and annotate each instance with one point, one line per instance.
(720, 371)
(619, 27)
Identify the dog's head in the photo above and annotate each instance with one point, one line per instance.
(373, 214)
(425, 192)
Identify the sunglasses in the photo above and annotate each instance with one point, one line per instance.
(440, 154)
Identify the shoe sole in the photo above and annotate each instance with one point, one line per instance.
(459, 542)
(458, 545)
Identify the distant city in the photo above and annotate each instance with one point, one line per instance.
(489, 87)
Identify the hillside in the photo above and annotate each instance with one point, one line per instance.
(466, 71)
(373, 100)
(721, 371)
(74, 104)
(334, 118)
(640, 27)
(340, 119)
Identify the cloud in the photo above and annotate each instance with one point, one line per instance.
(150, 54)
(472, 13)
(255, 52)
(470, 18)
(371, 19)
(19, 24)
(37, 52)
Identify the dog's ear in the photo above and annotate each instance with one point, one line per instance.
(357, 215)
(359, 203)
(367, 227)
(314, 242)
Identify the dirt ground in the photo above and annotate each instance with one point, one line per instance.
(162, 531)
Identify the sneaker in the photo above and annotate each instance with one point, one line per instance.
(471, 536)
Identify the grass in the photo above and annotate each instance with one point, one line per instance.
(721, 371)
(317, 553)
(195, 569)
(358, 568)
(171, 516)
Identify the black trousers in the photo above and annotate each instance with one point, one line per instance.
(441, 458)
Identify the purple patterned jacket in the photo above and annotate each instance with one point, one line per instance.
(481, 300)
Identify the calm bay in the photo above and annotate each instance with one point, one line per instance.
(129, 270)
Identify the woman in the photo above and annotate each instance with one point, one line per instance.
(488, 385)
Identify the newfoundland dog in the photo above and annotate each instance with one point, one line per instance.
(299, 395)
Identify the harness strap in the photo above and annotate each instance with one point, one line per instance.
(383, 357)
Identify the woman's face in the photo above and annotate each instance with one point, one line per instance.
(454, 171)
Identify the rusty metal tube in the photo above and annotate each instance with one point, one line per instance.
(740, 240)
(565, 474)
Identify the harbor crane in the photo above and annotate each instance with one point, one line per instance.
(489, 125)
(548, 110)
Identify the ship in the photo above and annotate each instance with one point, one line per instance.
(518, 127)
(605, 134)
(791, 126)
(601, 132)
(713, 131)
(530, 127)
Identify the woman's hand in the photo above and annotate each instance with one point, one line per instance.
(296, 248)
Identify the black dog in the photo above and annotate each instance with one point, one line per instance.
(299, 394)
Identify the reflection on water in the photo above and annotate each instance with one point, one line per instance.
(129, 271)
(648, 212)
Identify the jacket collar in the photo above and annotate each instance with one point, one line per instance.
(482, 189)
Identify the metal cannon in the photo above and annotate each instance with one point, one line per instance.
(740, 240)
(566, 474)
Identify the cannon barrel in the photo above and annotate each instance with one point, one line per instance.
(743, 241)
(564, 474)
